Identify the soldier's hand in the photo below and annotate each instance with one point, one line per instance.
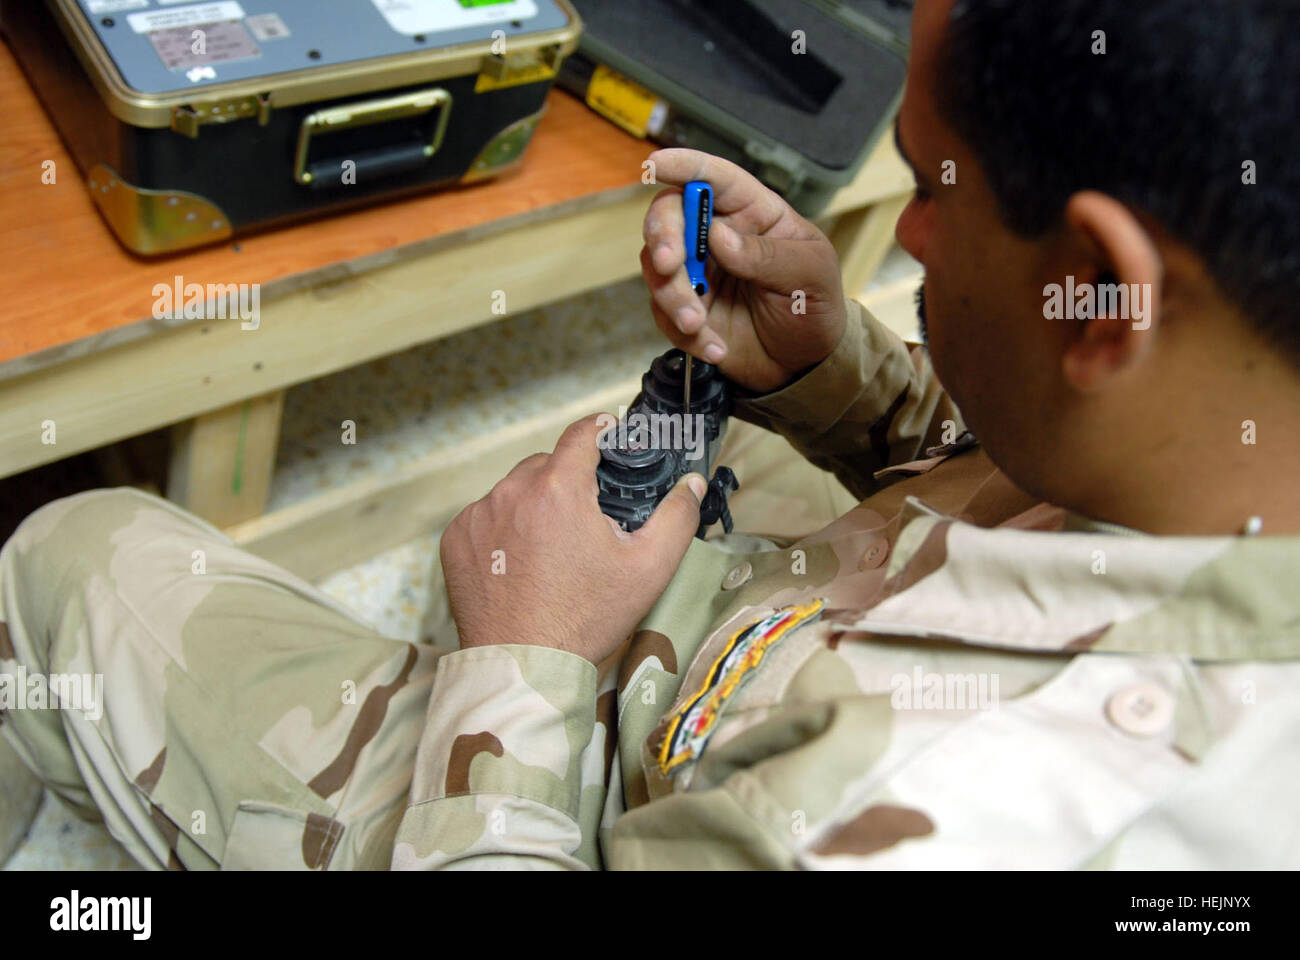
(535, 561)
(766, 262)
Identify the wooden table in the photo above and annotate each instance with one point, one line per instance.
(84, 363)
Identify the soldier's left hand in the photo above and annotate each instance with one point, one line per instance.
(535, 561)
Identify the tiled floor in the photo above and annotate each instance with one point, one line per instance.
(432, 396)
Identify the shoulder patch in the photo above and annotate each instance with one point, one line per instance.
(691, 725)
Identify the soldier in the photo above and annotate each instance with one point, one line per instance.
(1071, 643)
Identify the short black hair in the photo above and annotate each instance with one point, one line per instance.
(1164, 121)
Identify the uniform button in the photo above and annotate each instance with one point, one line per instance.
(874, 555)
(1142, 710)
(737, 575)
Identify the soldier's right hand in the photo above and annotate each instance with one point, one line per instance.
(766, 262)
(536, 562)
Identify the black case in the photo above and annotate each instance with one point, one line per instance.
(722, 76)
(173, 169)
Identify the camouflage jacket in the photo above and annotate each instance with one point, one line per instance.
(949, 676)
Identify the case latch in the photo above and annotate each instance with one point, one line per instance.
(512, 69)
(783, 168)
(188, 118)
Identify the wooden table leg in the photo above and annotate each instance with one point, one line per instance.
(863, 238)
(222, 461)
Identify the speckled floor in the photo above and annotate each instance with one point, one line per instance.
(441, 394)
(429, 397)
(58, 840)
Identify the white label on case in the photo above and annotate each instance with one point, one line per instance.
(184, 16)
(114, 6)
(222, 42)
(410, 17)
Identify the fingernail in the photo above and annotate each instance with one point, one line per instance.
(714, 352)
(685, 316)
(697, 485)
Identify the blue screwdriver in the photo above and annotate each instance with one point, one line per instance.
(697, 208)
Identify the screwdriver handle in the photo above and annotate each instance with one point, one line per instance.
(697, 209)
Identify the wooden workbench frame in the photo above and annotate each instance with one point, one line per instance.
(351, 312)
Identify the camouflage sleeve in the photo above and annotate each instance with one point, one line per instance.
(873, 403)
(510, 768)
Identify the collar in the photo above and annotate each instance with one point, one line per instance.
(1094, 587)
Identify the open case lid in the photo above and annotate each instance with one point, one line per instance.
(887, 20)
(736, 62)
(251, 56)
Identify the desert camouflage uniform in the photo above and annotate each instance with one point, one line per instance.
(1145, 710)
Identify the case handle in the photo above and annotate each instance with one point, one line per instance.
(376, 162)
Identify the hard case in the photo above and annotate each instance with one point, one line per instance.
(723, 76)
(195, 122)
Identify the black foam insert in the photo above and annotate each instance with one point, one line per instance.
(737, 55)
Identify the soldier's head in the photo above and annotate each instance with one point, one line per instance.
(1147, 151)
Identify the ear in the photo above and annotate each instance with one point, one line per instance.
(1126, 274)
